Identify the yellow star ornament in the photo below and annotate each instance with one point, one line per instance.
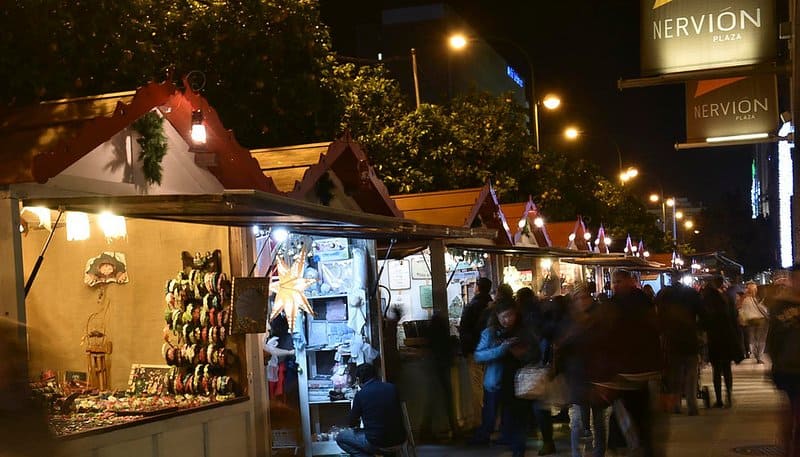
(289, 297)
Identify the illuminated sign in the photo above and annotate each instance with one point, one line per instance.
(731, 108)
(686, 35)
(785, 193)
(515, 76)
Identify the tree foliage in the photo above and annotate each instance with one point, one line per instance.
(262, 60)
(268, 69)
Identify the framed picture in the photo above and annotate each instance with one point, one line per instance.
(426, 296)
(249, 298)
(419, 268)
(148, 379)
(399, 272)
(327, 249)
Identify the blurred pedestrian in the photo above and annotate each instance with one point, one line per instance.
(504, 347)
(649, 291)
(539, 319)
(574, 348)
(23, 423)
(441, 347)
(634, 334)
(679, 311)
(783, 346)
(473, 320)
(719, 322)
(754, 317)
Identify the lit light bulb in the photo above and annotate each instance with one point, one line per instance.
(654, 198)
(571, 133)
(551, 101)
(587, 236)
(572, 237)
(280, 235)
(77, 226)
(539, 222)
(112, 226)
(521, 223)
(458, 41)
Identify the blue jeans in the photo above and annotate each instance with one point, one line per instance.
(354, 442)
(578, 423)
(514, 421)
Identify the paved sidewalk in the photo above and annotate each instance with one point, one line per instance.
(715, 433)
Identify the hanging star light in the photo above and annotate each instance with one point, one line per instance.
(290, 297)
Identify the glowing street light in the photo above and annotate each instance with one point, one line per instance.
(689, 225)
(571, 133)
(654, 198)
(670, 202)
(679, 215)
(458, 41)
(551, 101)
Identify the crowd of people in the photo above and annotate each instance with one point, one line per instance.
(632, 357)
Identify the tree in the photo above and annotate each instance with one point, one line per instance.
(262, 60)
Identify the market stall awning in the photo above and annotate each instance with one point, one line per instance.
(616, 261)
(245, 208)
(485, 245)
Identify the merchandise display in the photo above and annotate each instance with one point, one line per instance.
(198, 319)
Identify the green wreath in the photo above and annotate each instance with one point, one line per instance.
(150, 128)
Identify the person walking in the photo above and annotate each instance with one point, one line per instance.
(719, 322)
(538, 322)
(754, 317)
(679, 310)
(783, 346)
(574, 348)
(504, 347)
(633, 333)
(473, 321)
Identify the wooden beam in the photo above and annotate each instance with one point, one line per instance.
(12, 306)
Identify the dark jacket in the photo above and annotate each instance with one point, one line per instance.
(575, 349)
(719, 322)
(632, 330)
(473, 321)
(378, 405)
(783, 340)
(679, 311)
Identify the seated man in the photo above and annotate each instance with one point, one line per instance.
(378, 405)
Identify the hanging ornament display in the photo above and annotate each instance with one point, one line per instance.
(289, 297)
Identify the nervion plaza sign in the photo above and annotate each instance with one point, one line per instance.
(731, 108)
(686, 35)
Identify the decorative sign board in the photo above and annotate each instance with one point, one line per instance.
(689, 35)
(399, 272)
(249, 300)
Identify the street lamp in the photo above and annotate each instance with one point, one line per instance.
(689, 225)
(572, 133)
(459, 42)
(679, 215)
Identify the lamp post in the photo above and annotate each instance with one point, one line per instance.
(572, 133)
(458, 42)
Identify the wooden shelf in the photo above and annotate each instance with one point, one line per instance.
(337, 402)
(317, 297)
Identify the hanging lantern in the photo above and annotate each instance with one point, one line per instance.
(198, 128)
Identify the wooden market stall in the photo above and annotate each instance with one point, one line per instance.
(83, 157)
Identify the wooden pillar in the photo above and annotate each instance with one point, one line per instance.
(439, 277)
(12, 282)
(242, 256)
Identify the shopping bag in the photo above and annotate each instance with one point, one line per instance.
(557, 392)
(530, 382)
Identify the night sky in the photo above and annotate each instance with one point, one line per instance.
(580, 49)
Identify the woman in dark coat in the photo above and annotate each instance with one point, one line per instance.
(721, 330)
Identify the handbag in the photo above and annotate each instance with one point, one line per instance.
(531, 382)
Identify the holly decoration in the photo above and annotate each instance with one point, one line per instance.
(150, 128)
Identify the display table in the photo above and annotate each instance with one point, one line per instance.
(218, 429)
